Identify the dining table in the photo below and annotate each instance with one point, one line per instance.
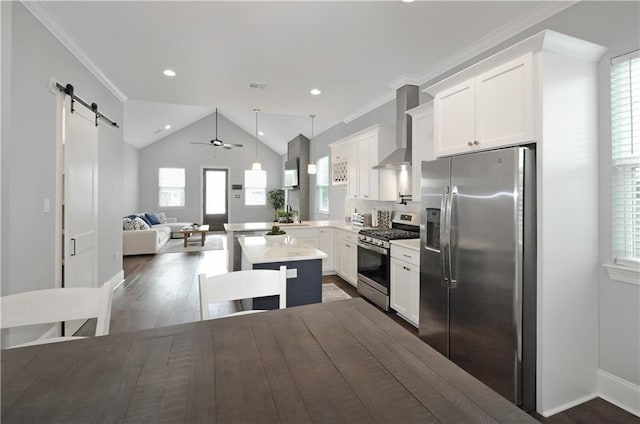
(338, 362)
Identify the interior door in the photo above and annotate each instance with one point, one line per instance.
(79, 200)
(215, 198)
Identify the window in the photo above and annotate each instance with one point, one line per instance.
(625, 155)
(255, 188)
(322, 185)
(171, 184)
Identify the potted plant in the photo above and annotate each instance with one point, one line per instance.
(275, 236)
(276, 198)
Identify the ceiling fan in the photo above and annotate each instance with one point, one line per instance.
(216, 142)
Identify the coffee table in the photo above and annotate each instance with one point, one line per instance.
(202, 230)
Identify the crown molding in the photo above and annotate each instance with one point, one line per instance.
(494, 38)
(38, 11)
(371, 106)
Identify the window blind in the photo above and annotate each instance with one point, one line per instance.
(625, 154)
(322, 184)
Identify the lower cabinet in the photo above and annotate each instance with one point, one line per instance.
(405, 288)
(346, 256)
(325, 244)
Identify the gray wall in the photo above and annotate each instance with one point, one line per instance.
(174, 151)
(130, 182)
(28, 155)
(298, 198)
(615, 25)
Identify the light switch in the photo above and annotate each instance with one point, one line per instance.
(292, 272)
(47, 205)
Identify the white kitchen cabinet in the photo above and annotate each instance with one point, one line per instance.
(339, 164)
(365, 149)
(346, 259)
(338, 152)
(353, 170)
(321, 239)
(422, 144)
(326, 244)
(493, 109)
(405, 283)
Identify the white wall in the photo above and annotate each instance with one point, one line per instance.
(130, 181)
(28, 155)
(175, 151)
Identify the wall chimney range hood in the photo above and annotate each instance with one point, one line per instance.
(407, 97)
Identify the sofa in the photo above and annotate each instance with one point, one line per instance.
(147, 238)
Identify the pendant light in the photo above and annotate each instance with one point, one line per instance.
(312, 169)
(256, 166)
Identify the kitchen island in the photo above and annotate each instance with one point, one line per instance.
(236, 230)
(304, 269)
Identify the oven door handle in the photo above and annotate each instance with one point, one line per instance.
(376, 249)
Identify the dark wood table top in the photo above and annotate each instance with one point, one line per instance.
(338, 362)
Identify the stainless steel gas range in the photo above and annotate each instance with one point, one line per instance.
(374, 257)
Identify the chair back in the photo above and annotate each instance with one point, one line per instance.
(242, 285)
(56, 305)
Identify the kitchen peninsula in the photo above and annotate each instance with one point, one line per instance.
(304, 268)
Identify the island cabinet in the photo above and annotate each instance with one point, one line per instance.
(346, 256)
(405, 283)
(493, 109)
(543, 92)
(304, 269)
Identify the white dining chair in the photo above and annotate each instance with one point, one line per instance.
(241, 285)
(57, 305)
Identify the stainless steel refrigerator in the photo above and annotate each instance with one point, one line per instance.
(478, 267)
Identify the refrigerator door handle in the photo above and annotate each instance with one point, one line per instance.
(444, 235)
(453, 283)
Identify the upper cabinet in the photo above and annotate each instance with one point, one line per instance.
(363, 151)
(422, 144)
(493, 109)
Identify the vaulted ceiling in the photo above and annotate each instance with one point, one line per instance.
(356, 52)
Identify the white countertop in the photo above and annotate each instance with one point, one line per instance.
(258, 251)
(413, 244)
(266, 226)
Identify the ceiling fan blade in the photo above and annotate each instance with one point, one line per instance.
(199, 142)
(233, 145)
(227, 147)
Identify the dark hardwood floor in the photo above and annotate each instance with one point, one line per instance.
(161, 290)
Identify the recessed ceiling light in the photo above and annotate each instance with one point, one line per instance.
(408, 1)
(315, 91)
(169, 72)
(260, 133)
(167, 127)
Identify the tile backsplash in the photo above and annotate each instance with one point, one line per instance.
(366, 206)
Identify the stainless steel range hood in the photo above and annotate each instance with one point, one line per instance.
(407, 97)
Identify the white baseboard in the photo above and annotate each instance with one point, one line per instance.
(619, 392)
(117, 279)
(568, 405)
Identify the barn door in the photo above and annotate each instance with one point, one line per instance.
(79, 200)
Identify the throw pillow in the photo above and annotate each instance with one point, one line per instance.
(140, 224)
(127, 224)
(162, 217)
(152, 218)
(143, 217)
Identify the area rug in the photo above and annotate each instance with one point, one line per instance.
(212, 242)
(331, 293)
